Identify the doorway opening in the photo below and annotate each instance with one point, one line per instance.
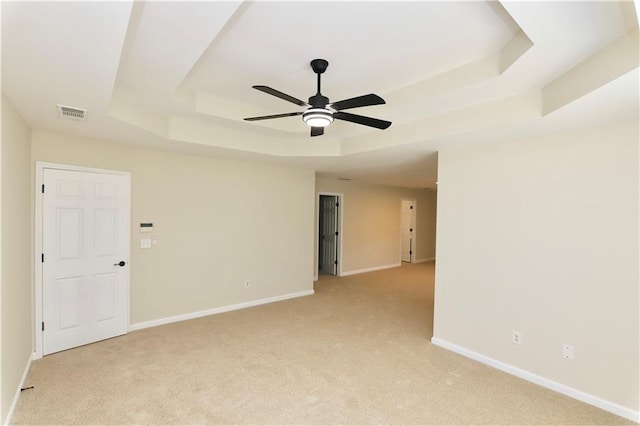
(329, 234)
(408, 228)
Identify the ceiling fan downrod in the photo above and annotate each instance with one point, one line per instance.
(319, 66)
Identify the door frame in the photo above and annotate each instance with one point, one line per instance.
(38, 243)
(414, 233)
(340, 234)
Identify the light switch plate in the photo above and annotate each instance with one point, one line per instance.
(145, 243)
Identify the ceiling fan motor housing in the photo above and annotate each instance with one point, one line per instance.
(318, 101)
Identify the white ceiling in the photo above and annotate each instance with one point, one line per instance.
(178, 75)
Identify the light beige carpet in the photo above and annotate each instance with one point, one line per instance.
(356, 352)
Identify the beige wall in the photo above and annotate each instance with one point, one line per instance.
(371, 223)
(218, 223)
(541, 237)
(16, 310)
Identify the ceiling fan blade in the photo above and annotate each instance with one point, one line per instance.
(360, 101)
(317, 131)
(268, 117)
(279, 94)
(360, 119)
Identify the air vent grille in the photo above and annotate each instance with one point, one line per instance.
(72, 112)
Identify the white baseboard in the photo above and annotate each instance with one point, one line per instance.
(207, 312)
(375, 268)
(12, 408)
(428, 259)
(603, 404)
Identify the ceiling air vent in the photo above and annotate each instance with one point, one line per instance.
(72, 113)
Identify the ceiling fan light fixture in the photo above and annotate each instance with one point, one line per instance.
(317, 117)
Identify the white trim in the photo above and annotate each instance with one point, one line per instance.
(428, 259)
(222, 309)
(603, 404)
(37, 265)
(340, 232)
(38, 244)
(18, 392)
(375, 268)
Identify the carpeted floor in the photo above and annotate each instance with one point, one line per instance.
(356, 352)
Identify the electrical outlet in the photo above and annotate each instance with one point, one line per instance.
(246, 283)
(567, 351)
(517, 337)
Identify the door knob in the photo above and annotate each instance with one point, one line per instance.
(121, 263)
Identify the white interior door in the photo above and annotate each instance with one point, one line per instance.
(85, 267)
(328, 234)
(407, 225)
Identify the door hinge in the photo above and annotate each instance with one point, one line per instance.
(335, 262)
(410, 229)
(337, 204)
(42, 257)
(411, 207)
(410, 252)
(336, 233)
(42, 325)
(43, 188)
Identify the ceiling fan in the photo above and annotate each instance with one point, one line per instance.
(320, 112)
